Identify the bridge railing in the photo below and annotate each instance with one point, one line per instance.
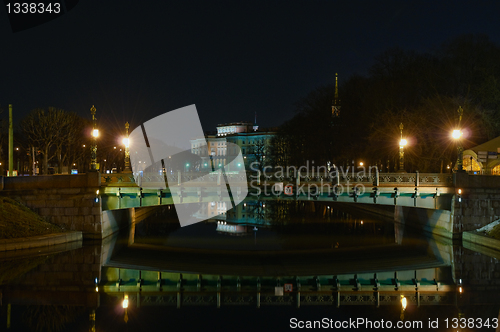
(368, 179)
(118, 179)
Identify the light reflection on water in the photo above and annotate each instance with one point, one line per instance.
(297, 228)
(59, 286)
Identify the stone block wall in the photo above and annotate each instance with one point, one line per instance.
(73, 209)
(65, 200)
(479, 203)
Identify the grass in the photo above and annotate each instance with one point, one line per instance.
(495, 232)
(16, 220)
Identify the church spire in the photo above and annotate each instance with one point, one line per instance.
(336, 100)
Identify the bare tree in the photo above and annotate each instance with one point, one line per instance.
(68, 145)
(45, 129)
(259, 150)
(1, 140)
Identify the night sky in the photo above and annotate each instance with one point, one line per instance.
(135, 60)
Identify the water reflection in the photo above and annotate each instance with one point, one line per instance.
(281, 225)
(306, 262)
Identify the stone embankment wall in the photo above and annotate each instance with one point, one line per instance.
(479, 203)
(68, 201)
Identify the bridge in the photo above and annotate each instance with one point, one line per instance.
(405, 189)
(96, 204)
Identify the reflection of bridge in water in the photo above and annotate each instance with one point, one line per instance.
(427, 273)
(374, 275)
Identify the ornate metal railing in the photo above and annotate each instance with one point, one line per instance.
(373, 178)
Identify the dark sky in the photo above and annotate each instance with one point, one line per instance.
(135, 60)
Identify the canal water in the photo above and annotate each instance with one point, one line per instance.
(270, 266)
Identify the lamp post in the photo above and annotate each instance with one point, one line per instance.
(402, 144)
(17, 156)
(126, 142)
(457, 135)
(93, 148)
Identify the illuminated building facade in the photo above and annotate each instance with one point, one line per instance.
(219, 149)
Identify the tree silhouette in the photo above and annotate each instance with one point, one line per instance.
(56, 133)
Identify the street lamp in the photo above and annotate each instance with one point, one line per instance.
(457, 135)
(17, 154)
(93, 148)
(126, 142)
(402, 144)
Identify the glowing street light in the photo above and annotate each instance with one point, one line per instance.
(93, 148)
(457, 135)
(402, 144)
(126, 142)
